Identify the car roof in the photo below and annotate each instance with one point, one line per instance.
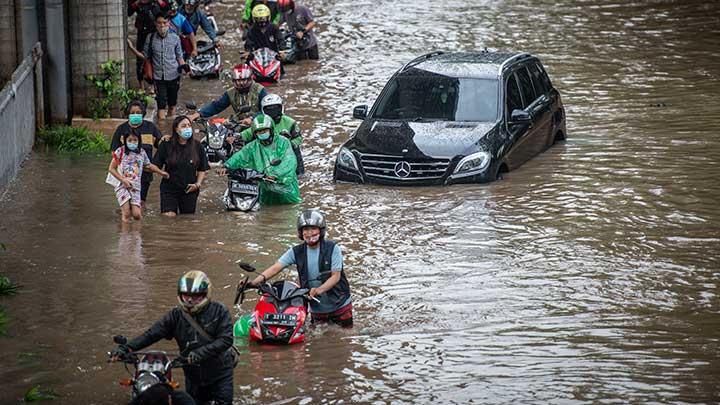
(482, 65)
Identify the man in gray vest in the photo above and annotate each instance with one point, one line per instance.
(243, 93)
(320, 268)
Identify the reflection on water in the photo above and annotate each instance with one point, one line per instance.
(588, 275)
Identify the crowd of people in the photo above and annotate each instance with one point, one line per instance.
(166, 40)
(201, 326)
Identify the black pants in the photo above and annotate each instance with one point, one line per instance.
(144, 188)
(166, 92)
(139, 45)
(220, 391)
(300, 163)
(310, 53)
(178, 202)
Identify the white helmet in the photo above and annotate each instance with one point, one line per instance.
(272, 105)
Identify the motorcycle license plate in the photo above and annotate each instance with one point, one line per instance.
(244, 188)
(280, 319)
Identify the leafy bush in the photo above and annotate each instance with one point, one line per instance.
(7, 287)
(112, 93)
(36, 394)
(74, 139)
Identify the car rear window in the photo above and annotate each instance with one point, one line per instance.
(426, 96)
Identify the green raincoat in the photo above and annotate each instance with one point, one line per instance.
(286, 124)
(256, 156)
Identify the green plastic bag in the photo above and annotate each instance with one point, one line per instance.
(242, 326)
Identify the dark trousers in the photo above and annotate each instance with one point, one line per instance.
(139, 45)
(144, 188)
(310, 53)
(166, 92)
(178, 202)
(220, 391)
(300, 163)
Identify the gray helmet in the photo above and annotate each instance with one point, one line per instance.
(311, 218)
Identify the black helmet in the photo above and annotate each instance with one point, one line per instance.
(194, 283)
(311, 218)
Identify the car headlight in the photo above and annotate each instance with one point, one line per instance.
(347, 159)
(473, 163)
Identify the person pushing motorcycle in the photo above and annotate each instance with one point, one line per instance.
(203, 331)
(284, 125)
(273, 156)
(320, 268)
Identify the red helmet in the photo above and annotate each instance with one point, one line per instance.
(241, 71)
(285, 5)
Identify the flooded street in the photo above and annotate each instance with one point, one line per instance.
(590, 274)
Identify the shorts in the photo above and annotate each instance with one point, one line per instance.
(342, 317)
(124, 195)
(178, 202)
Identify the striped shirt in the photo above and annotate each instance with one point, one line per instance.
(166, 54)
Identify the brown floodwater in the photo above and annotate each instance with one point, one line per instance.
(590, 274)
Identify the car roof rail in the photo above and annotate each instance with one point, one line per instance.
(421, 59)
(512, 59)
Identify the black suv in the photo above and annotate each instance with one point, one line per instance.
(454, 118)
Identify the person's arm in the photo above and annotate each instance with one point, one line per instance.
(223, 338)
(336, 267)
(268, 273)
(261, 96)
(115, 142)
(207, 26)
(215, 107)
(157, 135)
(193, 39)
(161, 155)
(161, 329)
(179, 53)
(146, 48)
(114, 163)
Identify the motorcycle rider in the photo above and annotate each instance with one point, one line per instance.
(272, 105)
(209, 372)
(250, 5)
(281, 186)
(197, 18)
(320, 268)
(262, 34)
(244, 92)
(300, 20)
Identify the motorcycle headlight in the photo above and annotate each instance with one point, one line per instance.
(347, 159)
(473, 163)
(215, 140)
(145, 381)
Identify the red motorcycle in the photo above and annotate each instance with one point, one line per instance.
(266, 66)
(281, 312)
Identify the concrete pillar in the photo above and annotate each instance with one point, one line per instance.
(27, 26)
(8, 41)
(56, 57)
(97, 34)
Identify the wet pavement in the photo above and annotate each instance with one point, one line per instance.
(590, 274)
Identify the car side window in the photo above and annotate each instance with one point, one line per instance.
(512, 96)
(526, 87)
(539, 79)
(543, 76)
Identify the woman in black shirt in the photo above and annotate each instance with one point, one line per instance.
(185, 160)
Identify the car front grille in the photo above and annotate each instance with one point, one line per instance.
(391, 167)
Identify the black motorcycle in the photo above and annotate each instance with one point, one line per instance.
(207, 62)
(243, 189)
(216, 132)
(289, 46)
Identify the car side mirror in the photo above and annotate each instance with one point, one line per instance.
(360, 112)
(520, 117)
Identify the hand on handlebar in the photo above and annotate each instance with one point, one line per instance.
(222, 171)
(119, 353)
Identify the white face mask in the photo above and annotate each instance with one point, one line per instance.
(311, 240)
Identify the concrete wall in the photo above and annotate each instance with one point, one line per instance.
(97, 34)
(8, 41)
(56, 61)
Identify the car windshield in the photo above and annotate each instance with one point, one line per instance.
(427, 96)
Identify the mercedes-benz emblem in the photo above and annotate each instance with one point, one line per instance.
(402, 169)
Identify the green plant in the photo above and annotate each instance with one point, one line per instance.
(74, 139)
(3, 322)
(7, 287)
(35, 394)
(112, 93)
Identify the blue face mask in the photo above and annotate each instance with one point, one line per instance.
(135, 119)
(132, 145)
(264, 136)
(186, 133)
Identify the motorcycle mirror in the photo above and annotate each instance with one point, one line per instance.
(247, 266)
(191, 105)
(275, 162)
(220, 33)
(120, 339)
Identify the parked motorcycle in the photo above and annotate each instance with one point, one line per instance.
(281, 312)
(243, 190)
(289, 46)
(150, 368)
(216, 132)
(266, 66)
(207, 62)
